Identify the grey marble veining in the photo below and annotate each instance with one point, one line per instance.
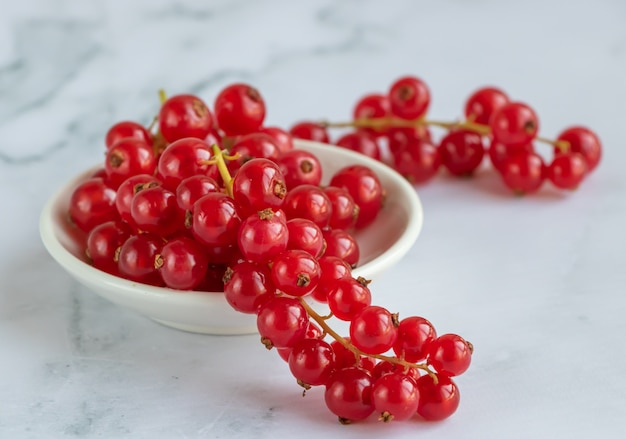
(537, 284)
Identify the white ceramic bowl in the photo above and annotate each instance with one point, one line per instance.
(381, 244)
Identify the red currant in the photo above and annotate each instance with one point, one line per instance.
(409, 97)
(514, 124)
(239, 109)
(125, 129)
(584, 141)
(373, 330)
(485, 101)
(185, 116)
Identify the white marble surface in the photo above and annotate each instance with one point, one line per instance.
(537, 284)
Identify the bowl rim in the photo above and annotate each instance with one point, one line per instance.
(87, 272)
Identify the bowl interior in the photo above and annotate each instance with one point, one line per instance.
(381, 244)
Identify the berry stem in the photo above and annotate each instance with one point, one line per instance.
(383, 122)
(220, 162)
(162, 96)
(326, 329)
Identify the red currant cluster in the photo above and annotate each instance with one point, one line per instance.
(394, 128)
(214, 201)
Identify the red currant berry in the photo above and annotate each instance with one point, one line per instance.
(191, 189)
(126, 192)
(523, 173)
(309, 202)
(418, 161)
(305, 235)
(409, 97)
(182, 264)
(136, 259)
(400, 137)
(258, 185)
(155, 210)
(214, 222)
(247, 286)
(311, 362)
(450, 354)
(395, 396)
(343, 245)
(437, 400)
(103, 242)
(500, 153)
(567, 170)
(295, 272)
(300, 167)
(128, 157)
(372, 106)
(310, 131)
(250, 146)
(485, 101)
(125, 129)
(92, 203)
(373, 330)
(239, 109)
(415, 334)
(281, 137)
(364, 187)
(363, 143)
(282, 322)
(182, 159)
(349, 394)
(262, 237)
(584, 141)
(461, 151)
(184, 116)
(332, 269)
(514, 124)
(348, 296)
(344, 210)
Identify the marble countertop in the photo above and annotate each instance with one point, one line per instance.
(537, 283)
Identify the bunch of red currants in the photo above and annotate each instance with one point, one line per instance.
(393, 127)
(214, 201)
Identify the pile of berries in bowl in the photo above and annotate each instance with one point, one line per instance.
(209, 222)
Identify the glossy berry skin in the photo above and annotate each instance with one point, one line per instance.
(102, 243)
(343, 245)
(247, 286)
(395, 396)
(373, 330)
(305, 235)
(450, 354)
(184, 116)
(191, 189)
(250, 146)
(309, 202)
(295, 272)
(585, 142)
(418, 161)
(461, 152)
(182, 264)
(514, 124)
(409, 97)
(372, 106)
(126, 192)
(239, 109)
(344, 210)
(136, 259)
(182, 159)
(347, 297)
(500, 153)
(282, 322)
(332, 269)
(282, 138)
(262, 237)
(125, 129)
(567, 170)
(349, 394)
(384, 367)
(155, 210)
(312, 361)
(437, 401)
(128, 157)
(415, 335)
(364, 187)
(215, 222)
(92, 203)
(485, 101)
(360, 142)
(300, 167)
(400, 137)
(259, 184)
(310, 131)
(523, 173)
